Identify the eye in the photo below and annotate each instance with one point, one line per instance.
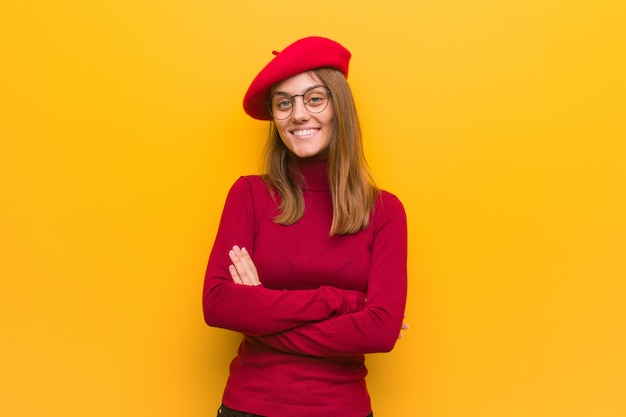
(281, 102)
(285, 104)
(316, 97)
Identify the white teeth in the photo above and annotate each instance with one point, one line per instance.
(304, 132)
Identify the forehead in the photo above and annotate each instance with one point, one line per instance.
(296, 84)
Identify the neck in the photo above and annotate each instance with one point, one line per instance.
(314, 170)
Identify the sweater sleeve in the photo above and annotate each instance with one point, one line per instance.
(377, 326)
(256, 310)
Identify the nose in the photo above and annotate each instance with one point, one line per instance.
(299, 109)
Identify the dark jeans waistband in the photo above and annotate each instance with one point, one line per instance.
(224, 411)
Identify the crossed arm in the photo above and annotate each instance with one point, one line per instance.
(325, 321)
(244, 272)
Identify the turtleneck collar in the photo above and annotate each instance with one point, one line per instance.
(314, 170)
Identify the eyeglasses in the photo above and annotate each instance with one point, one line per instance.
(315, 100)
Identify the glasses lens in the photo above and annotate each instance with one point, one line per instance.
(281, 106)
(316, 99)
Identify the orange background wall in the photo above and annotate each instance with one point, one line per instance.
(500, 124)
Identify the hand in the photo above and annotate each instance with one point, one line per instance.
(242, 271)
(404, 327)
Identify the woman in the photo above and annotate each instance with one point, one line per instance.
(309, 262)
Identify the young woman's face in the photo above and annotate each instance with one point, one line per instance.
(305, 132)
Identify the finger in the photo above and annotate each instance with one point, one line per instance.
(234, 275)
(253, 273)
(403, 327)
(244, 265)
(249, 269)
(246, 257)
(238, 266)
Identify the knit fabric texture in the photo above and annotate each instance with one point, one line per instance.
(325, 301)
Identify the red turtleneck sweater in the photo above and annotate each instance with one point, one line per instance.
(324, 303)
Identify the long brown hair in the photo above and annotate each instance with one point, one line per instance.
(352, 187)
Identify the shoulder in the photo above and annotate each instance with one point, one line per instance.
(247, 198)
(387, 201)
(388, 210)
(250, 189)
(248, 184)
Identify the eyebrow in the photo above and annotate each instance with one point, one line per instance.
(284, 93)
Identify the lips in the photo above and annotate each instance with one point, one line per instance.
(305, 132)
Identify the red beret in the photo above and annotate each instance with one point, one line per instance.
(302, 55)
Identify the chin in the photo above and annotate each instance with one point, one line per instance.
(308, 151)
(305, 153)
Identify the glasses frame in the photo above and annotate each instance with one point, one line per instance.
(293, 101)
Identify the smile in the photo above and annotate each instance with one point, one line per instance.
(306, 132)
